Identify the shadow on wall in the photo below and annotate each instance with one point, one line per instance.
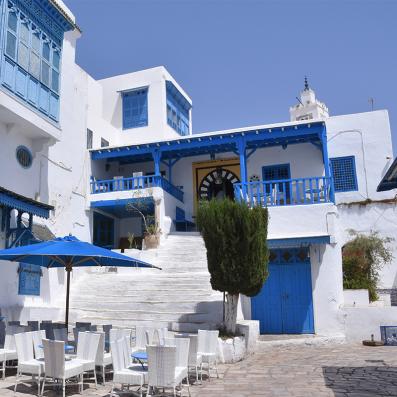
(378, 379)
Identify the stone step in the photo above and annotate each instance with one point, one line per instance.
(145, 306)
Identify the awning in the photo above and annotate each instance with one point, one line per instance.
(389, 181)
(303, 241)
(22, 203)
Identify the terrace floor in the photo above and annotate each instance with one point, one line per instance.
(293, 371)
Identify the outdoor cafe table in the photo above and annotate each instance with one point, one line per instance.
(141, 357)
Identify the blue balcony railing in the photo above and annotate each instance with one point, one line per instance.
(284, 192)
(135, 183)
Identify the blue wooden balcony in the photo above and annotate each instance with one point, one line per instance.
(299, 191)
(118, 184)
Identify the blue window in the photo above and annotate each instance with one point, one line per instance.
(177, 110)
(344, 173)
(33, 59)
(276, 172)
(29, 279)
(135, 109)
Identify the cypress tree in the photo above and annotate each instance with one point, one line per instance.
(235, 237)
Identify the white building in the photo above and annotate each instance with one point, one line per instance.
(74, 151)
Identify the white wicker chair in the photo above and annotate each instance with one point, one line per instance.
(56, 368)
(140, 337)
(208, 350)
(163, 368)
(131, 375)
(38, 337)
(159, 336)
(61, 334)
(87, 350)
(102, 358)
(3, 363)
(195, 359)
(27, 364)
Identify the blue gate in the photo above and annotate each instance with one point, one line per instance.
(285, 305)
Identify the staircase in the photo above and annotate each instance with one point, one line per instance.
(179, 296)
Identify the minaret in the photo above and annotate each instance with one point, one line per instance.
(308, 108)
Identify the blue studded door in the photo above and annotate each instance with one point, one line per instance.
(285, 305)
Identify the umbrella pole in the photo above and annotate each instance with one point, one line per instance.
(67, 297)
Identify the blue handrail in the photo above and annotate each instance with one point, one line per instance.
(135, 183)
(282, 192)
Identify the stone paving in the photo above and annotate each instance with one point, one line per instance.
(295, 371)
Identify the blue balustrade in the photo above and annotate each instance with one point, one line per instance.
(135, 183)
(299, 191)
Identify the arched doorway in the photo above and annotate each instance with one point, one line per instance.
(217, 184)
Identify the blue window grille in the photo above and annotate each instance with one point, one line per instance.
(177, 110)
(344, 173)
(29, 279)
(31, 59)
(135, 108)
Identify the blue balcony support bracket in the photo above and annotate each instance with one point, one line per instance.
(251, 152)
(170, 163)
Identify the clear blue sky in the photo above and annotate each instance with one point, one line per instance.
(243, 61)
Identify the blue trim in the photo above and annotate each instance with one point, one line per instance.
(344, 174)
(215, 143)
(28, 152)
(298, 241)
(389, 181)
(28, 206)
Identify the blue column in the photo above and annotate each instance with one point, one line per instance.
(157, 157)
(327, 168)
(241, 146)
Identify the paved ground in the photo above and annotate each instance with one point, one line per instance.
(299, 371)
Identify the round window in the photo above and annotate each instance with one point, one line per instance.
(24, 156)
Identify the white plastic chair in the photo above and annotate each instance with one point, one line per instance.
(208, 350)
(38, 337)
(27, 364)
(56, 368)
(102, 358)
(162, 367)
(195, 359)
(159, 335)
(133, 375)
(9, 348)
(86, 352)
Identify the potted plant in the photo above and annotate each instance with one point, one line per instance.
(152, 235)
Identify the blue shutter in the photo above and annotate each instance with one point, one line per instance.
(44, 99)
(29, 279)
(33, 91)
(9, 76)
(21, 82)
(54, 107)
(344, 173)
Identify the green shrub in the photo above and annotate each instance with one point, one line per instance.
(363, 258)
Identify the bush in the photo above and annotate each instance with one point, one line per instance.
(362, 259)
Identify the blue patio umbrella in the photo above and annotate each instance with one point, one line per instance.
(68, 252)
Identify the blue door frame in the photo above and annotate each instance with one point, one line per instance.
(285, 303)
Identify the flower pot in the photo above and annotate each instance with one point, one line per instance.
(152, 241)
